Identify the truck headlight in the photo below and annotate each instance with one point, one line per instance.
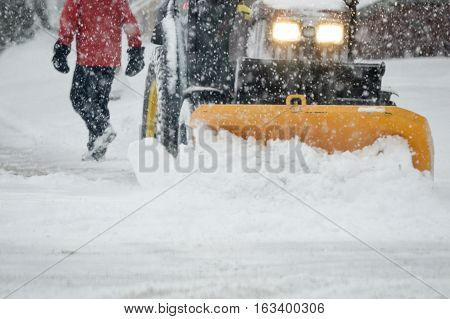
(286, 31)
(330, 33)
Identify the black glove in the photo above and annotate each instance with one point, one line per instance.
(136, 61)
(60, 58)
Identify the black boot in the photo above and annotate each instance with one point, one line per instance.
(102, 142)
(97, 146)
(90, 146)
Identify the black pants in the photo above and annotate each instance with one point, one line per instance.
(90, 96)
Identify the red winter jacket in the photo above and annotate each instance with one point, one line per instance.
(98, 25)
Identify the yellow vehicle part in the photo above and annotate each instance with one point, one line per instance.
(329, 127)
(245, 10)
(150, 129)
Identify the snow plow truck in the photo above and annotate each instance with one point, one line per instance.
(271, 70)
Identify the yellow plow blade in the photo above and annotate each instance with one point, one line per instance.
(332, 128)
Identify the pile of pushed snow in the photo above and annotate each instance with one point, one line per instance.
(224, 153)
(225, 160)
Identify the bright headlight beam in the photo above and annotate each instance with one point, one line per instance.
(330, 33)
(286, 31)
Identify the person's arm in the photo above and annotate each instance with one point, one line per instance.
(67, 29)
(136, 50)
(131, 27)
(68, 22)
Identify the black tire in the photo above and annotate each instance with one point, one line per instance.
(168, 104)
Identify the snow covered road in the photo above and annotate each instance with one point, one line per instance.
(212, 235)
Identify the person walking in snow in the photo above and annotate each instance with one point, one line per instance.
(97, 26)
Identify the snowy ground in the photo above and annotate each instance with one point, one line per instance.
(213, 235)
